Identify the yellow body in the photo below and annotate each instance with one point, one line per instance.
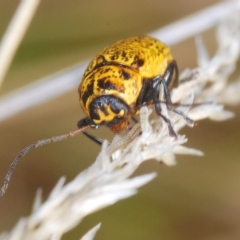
(120, 70)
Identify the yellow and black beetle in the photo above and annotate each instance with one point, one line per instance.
(123, 77)
(116, 83)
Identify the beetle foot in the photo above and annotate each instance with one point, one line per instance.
(172, 133)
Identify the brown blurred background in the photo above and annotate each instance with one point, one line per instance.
(197, 199)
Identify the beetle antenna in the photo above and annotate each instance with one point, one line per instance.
(175, 104)
(33, 146)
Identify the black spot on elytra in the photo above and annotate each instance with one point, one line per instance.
(140, 62)
(125, 75)
(88, 93)
(100, 63)
(107, 70)
(115, 56)
(124, 54)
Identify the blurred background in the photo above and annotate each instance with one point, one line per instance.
(199, 198)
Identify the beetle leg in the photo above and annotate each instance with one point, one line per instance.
(167, 94)
(85, 122)
(169, 81)
(151, 92)
(97, 140)
(168, 76)
(145, 94)
(187, 119)
(158, 108)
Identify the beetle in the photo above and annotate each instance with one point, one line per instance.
(117, 82)
(123, 77)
